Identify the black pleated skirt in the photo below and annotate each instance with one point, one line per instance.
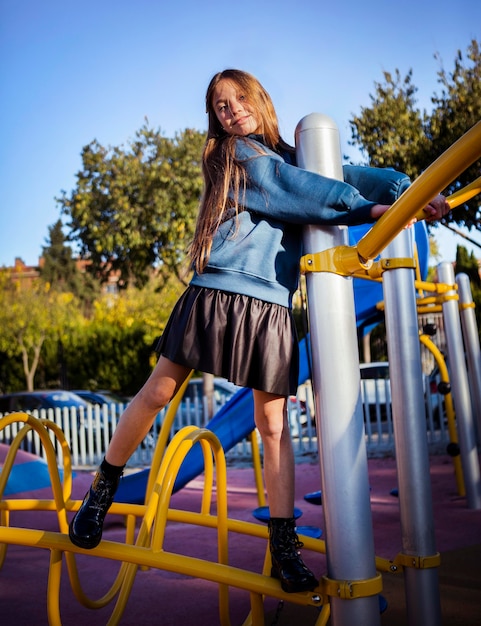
(248, 341)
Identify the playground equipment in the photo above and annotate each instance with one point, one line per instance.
(461, 393)
(471, 340)
(349, 592)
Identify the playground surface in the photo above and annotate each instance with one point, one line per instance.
(168, 599)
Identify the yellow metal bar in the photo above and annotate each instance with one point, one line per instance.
(158, 504)
(433, 180)
(342, 260)
(257, 465)
(164, 436)
(4, 521)
(148, 551)
(352, 589)
(53, 588)
(60, 493)
(61, 502)
(459, 197)
(187, 565)
(257, 610)
(350, 260)
(436, 287)
(324, 616)
(448, 402)
(208, 479)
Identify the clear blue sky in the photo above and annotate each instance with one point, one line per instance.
(72, 72)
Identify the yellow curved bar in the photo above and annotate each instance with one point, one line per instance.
(156, 514)
(164, 436)
(144, 552)
(257, 464)
(458, 197)
(448, 401)
(53, 589)
(433, 180)
(190, 566)
(60, 493)
(465, 194)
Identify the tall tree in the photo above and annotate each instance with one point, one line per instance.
(456, 110)
(59, 268)
(394, 133)
(133, 210)
(391, 130)
(468, 264)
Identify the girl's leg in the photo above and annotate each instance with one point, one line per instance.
(85, 529)
(279, 467)
(270, 412)
(140, 413)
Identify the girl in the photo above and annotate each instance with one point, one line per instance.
(235, 318)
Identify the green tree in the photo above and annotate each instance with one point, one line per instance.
(28, 317)
(134, 209)
(59, 268)
(109, 357)
(116, 348)
(456, 110)
(468, 264)
(392, 132)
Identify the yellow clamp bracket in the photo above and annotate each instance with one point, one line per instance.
(381, 266)
(352, 589)
(342, 260)
(394, 264)
(417, 562)
(345, 261)
(466, 305)
(447, 298)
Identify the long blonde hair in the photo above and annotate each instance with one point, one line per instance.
(225, 177)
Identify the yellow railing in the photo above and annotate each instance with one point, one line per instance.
(431, 182)
(148, 548)
(358, 259)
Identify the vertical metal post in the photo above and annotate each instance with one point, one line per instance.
(337, 392)
(410, 436)
(460, 390)
(471, 346)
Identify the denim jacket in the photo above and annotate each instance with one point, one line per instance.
(259, 257)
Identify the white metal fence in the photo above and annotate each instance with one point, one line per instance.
(88, 431)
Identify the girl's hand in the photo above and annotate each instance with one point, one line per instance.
(379, 209)
(437, 208)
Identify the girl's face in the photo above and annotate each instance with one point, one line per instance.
(236, 116)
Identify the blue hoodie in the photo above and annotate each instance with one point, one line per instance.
(260, 256)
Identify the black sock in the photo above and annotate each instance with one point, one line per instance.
(111, 471)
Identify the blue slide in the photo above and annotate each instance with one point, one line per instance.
(235, 420)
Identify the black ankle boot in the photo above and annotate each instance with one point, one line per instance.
(287, 564)
(85, 529)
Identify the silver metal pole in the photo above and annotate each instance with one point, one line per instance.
(337, 393)
(460, 390)
(410, 436)
(471, 346)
